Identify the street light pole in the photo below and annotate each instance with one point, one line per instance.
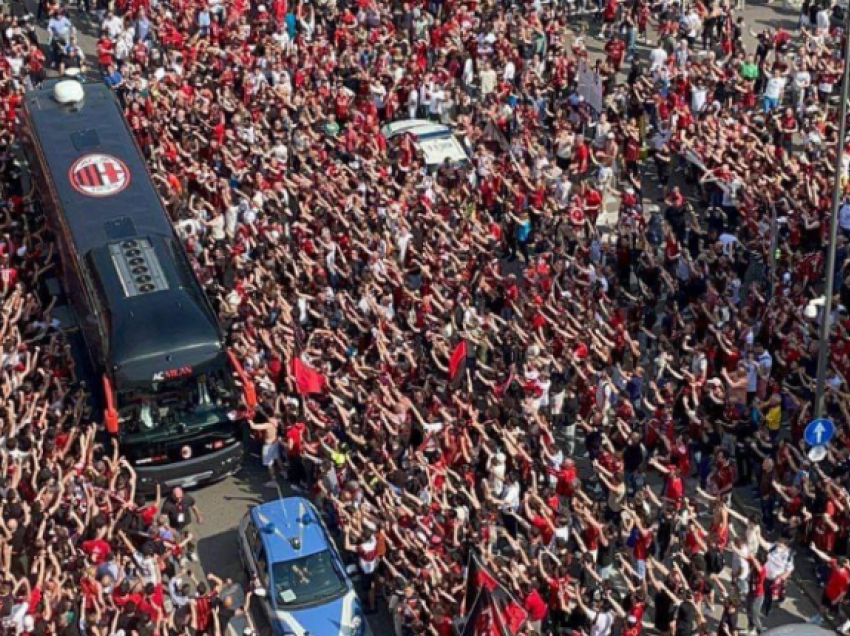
(826, 319)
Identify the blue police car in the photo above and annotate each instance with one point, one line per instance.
(304, 587)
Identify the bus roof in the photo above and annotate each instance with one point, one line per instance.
(154, 310)
(69, 132)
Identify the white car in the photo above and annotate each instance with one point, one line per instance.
(436, 142)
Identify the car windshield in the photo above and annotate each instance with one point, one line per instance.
(168, 405)
(307, 580)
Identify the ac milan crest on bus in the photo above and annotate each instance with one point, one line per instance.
(99, 175)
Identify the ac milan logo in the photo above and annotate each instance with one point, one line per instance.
(98, 175)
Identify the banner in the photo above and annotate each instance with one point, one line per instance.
(590, 86)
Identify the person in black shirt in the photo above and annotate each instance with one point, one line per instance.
(687, 616)
(728, 625)
(664, 535)
(178, 507)
(72, 58)
(633, 457)
(68, 621)
(129, 618)
(665, 601)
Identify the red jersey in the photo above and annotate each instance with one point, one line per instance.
(838, 582)
(535, 606)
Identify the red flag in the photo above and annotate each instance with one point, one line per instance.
(307, 380)
(458, 357)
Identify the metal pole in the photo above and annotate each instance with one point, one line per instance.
(826, 320)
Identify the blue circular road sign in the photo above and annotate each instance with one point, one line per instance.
(819, 432)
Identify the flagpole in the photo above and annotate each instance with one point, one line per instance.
(463, 606)
(468, 614)
(297, 335)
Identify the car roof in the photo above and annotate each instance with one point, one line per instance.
(417, 127)
(292, 518)
(404, 125)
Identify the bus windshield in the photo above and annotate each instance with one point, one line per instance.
(179, 404)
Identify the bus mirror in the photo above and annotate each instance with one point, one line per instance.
(248, 389)
(110, 413)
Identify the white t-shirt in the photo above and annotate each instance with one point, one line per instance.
(488, 81)
(379, 94)
(779, 561)
(368, 553)
(658, 58)
(730, 193)
(217, 228)
(600, 623)
(802, 79)
(698, 98)
(765, 363)
(741, 566)
(147, 567)
(775, 86)
(511, 497)
(113, 27)
(438, 98)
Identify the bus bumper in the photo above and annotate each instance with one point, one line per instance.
(191, 472)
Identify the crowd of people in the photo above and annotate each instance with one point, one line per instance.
(623, 278)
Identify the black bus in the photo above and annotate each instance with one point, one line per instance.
(169, 385)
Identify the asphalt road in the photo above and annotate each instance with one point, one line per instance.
(223, 504)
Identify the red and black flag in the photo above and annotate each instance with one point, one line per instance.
(491, 609)
(457, 360)
(482, 619)
(478, 577)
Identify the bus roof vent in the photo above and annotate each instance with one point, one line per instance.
(68, 91)
(138, 267)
